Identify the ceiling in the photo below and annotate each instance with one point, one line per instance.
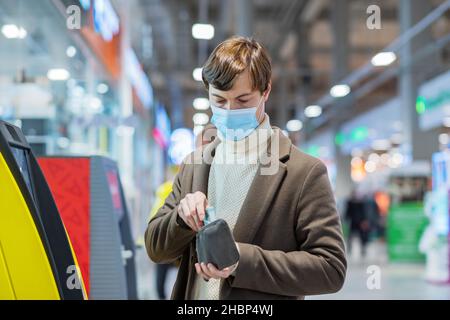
(298, 35)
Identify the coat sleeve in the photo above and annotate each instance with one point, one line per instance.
(167, 235)
(318, 267)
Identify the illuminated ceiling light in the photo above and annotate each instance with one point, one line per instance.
(370, 166)
(397, 158)
(71, 51)
(22, 33)
(381, 144)
(444, 138)
(294, 125)
(200, 119)
(384, 158)
(102, 88)
(383, 59)
(11, 31)
(374, 157)
(201, 104)
(313, 111)
(340, 90)
(96, 104)
(356, 162)
(203, 31)
(58, 74)
(197, 74)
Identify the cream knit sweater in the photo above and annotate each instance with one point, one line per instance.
(232, 171)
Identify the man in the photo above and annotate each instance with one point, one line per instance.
(284, 221)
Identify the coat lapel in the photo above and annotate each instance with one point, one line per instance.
(261, 193)
(202, 165)
(263, 190)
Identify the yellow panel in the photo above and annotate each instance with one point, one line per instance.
(80, 277)
(6, 289)
(26, 259)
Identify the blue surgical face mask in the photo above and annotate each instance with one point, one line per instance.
(234, 124)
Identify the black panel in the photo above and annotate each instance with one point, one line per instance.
(56, 233)
(21, 156)
(39, 149)
(30, 179)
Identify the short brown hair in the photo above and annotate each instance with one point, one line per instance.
(232, 57)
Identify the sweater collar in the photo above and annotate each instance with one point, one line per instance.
(252, 144)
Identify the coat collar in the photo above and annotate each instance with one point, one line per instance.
(262, 190)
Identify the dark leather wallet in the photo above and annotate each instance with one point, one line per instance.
(216, 245)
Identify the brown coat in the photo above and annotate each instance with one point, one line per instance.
(288, 231)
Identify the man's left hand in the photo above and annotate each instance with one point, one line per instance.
(208, 271)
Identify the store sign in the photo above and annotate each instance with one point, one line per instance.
(106, 21)
(138, 78)
(406, 224)
(433, 102)
(102, 34)
(373, 125)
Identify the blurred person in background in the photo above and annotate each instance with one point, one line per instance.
(383, 201)
(373, 215)
(285, 224)
(357, 218)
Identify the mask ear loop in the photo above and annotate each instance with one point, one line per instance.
(259, 103)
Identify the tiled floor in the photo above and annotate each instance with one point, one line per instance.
(397, 281)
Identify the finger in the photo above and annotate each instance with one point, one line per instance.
(193, 211)
(199, 271)
(188, 213)
(197, 268)
(200, 212)
(214, 272)
(201, 204)
(188, 218)
(206, 271)
(204, 275)
(220, 273)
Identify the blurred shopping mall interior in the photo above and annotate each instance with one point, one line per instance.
(116, 85)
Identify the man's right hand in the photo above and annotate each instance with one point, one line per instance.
(192, 209)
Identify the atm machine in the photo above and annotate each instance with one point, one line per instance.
(90, 198)
(36, 256)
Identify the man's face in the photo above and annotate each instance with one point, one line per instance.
(240, 96)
